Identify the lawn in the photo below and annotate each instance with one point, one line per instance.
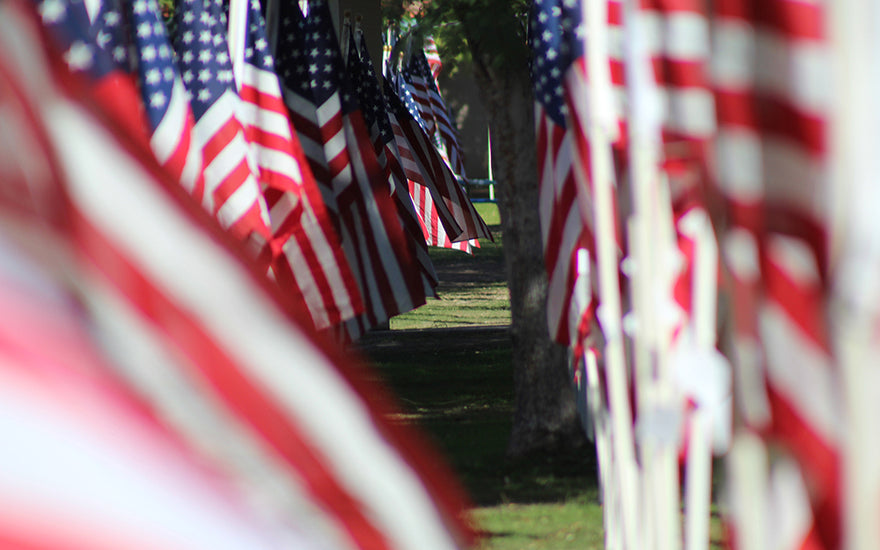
(449, 363)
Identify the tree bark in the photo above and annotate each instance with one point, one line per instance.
(545, 417)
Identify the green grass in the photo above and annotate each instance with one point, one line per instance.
(457, 385)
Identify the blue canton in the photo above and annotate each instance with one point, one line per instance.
(363, 78)
(154, 59)
(556, 41)
(203, 53)
(68, 23)
(257, 51)
(293, 65)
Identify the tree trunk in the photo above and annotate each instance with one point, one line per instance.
(545, 416)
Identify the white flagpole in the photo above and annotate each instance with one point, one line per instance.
(600, 125)
(599, 412)
(698, 484)
(855, 195)
(237, 29)
(653, 253)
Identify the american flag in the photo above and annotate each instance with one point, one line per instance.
(418, 98)
(211, 353)
(458, 215)
(134, 34)
(567, 235)
(111, 84)
(770, 75)
(375, 109)
(433, 56)
(447, 135)
(232, 190)
(311, 262)
(331, 128)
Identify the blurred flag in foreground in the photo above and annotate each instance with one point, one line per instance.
(217, 368)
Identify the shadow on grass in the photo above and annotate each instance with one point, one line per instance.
(457, 385)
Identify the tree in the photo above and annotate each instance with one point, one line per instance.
(490, 37)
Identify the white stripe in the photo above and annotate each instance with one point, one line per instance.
(240, 201)
(796, 70)
(89, 467)
(185, 400)
(166, 138)
(388, 256)
(796, 258)
(278, 161)
(690, 111)
(328, 110)
(334, 146)
(740, 174)
(257, 335)
(788, 502)
(801, 372)
(794, 177)
(686, 36)
(741, 255)
(264, 81)
(216, 117)
(300, 105)
(733, 63)
(270, 122)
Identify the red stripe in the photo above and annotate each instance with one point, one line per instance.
(220, 139)
(231, 383)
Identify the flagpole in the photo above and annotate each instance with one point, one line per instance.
(855, 295)
(698, 483)
(601, 109)
(237, 29)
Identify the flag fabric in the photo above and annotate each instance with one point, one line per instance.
(433, 57)
(214, 355)
(311, 261)
(566, 233)
(363, 77)
(232, 190)
(458, 215)
(331, 128)
(134, 34)
(109, 73)
(447, 136)
(770, 75)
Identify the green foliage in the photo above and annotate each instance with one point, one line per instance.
(494, 29)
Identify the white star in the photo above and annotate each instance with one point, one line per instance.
(119, 53)
(79, 56)
(140, 6)
(102, 39)
(223, 58)
(168, 74)
(205, 37)
(149, 53)
(187, 76)
(313, 68)
(189, 17)
(188, 56)
(111, 18)
(205, 75)
(205, 56)
(153, 76)
(261, 44)
(52, 10)
(224, 76)
(204, 94)
(145, 30)
(157, 99)
(164, 51)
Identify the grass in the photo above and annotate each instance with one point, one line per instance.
(453, 378)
